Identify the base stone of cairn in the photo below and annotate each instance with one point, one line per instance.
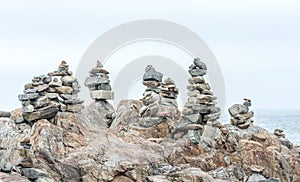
(100, 91)
(200, 108)
(240, 114)
(49, 94)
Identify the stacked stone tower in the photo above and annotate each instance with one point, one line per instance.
(98, 83)
(200, 108)
(201, 105)
(47, 95)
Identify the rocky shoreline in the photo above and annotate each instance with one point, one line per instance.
(54, 138)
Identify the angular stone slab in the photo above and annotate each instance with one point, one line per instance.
(93, 81)
(44, 113)
(153, 75)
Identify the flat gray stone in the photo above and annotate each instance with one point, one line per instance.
(102, 94)
(151, 74)
(24, 97)
(200, 64)
(197, 72)
(104, 86)
(93, 81)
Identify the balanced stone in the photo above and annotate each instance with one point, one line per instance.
(104, 86)
(238, 109)
(197, 72)
(31, 96)
(102, 94)
(152, 74)
(93, 81)
(64, 90)
(200, 64)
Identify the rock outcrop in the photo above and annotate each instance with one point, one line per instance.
(72, 146)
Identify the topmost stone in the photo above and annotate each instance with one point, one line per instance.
(152, 74)
(99, 65)
(200, 64)
(98, 70)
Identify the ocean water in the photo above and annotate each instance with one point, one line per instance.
(287, 120)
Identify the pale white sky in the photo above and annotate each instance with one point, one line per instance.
(257, 43)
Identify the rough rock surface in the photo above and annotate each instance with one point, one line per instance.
(79, 149)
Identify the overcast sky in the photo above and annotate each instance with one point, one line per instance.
(257, 42)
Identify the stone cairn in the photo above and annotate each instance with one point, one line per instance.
(240, 114)
(100, 91)
(151, 97)
(169, 93)
(99, 84)
(46, 95)
(200, 108)
(281, 137)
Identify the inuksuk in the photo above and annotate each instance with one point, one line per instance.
(46, 95)
(98, 84)
(240, 114)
